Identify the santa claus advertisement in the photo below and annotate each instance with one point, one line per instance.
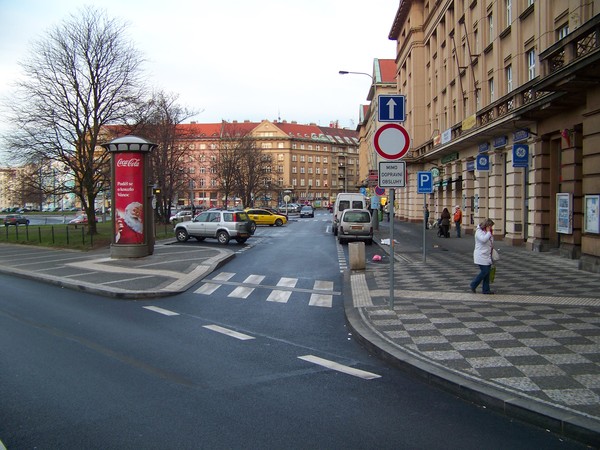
(129, 197)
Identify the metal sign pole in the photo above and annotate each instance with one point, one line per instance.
(424, 229)
(392, 250)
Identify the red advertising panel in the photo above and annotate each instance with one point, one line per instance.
(129, 198)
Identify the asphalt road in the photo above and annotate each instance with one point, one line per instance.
(257, 355)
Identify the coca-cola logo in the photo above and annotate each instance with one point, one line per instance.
(131, 162)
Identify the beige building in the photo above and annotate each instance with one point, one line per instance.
(503, 105)
(311, 163)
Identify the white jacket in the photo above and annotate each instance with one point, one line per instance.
(484, 241)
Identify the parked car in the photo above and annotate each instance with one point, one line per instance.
(264, 217)
(289, 208)
(222, 225)
(181, 216)
(355, 225)
(307, 211)
(346, 200)
(81, 219)
(16, 220)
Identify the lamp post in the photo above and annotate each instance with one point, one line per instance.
(375, 218)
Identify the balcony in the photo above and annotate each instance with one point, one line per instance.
(568, 69)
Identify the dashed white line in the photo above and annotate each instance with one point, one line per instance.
(339, 367)
(228, 332)
(162, 311)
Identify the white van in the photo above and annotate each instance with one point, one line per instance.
(346, 200)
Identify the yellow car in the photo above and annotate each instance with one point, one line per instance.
(264, 217)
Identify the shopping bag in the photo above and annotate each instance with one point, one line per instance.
(495, 255)
(492, 273)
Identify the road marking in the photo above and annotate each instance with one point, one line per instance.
(165, 312)
(243, 291)
(223, 276)
(280, 296)
(323, 300)
(231, 333)
(207, 288)
(340, 367)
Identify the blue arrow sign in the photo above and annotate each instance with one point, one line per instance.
(391, 108)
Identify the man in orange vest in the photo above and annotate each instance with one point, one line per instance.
(457, 219)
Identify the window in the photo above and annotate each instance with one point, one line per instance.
(562, 31)
(280, 145)
(325, 160)
(508, 7)
(266, 145)
(302, 158)
(280, 157)
(530, 2)
(490, 20)
(318, 159)
(294, 158)
(491, 89)
(509, 79)
(294, 169)
(310, 159)
(530, 65)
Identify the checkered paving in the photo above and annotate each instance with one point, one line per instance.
(519, 272)
(542, 351)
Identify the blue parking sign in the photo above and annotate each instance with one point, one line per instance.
(424, 183)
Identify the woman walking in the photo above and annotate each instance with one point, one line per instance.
(482, 255)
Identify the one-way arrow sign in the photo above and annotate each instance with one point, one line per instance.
(391, 108)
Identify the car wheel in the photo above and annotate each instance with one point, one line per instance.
(241, 240)
(252, 227)
(223, 237)
(278, 222)
(181, 235)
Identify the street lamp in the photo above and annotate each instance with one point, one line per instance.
(375, 219)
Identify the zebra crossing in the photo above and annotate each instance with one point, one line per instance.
(320, 292)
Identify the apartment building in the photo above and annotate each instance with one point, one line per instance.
(310, 163)
(503, 106)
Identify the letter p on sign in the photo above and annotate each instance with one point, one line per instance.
(424, 183)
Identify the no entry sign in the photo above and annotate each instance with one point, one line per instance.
(391, 141)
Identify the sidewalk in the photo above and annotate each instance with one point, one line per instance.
(531, 351)
(170, 270)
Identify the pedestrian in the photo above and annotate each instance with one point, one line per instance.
(482, 255)
(457, 219)
(445, 222)
(427, 217)
(386, 210)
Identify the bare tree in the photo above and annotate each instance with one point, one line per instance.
(241, 167)
(159, 122)
(81, 76)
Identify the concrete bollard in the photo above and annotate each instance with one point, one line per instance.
(356, 252)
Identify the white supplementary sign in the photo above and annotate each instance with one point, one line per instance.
(392, 174)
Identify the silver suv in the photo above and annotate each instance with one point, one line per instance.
(222, 225)
(355, 225)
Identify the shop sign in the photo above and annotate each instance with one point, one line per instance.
(484, 147)
(449, 158)
(521, 135)
(500, 141)
(447, 136)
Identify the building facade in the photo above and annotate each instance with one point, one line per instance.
(503, 106)
(310, 163)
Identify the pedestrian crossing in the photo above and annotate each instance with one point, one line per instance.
(319, 293)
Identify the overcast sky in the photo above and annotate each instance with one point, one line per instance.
(234, 59)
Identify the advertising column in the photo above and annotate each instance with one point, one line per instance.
(131, 203)
(129, 198)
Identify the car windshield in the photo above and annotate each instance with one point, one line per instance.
(357, 217)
